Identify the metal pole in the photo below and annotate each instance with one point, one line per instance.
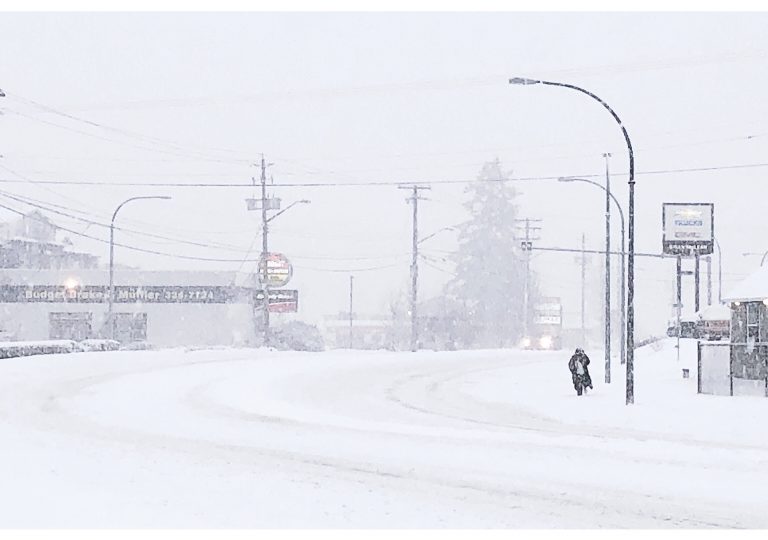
(351, 279)
(607, 329)
(622, 254)
(623, 295)
(527, 254)
(709, 280)
(110, 305)
(583, 289)
(630, 384)
(719, 272)
(110, 319)
(415, 272)
(264, 252)
(696, 282)
(679, 304)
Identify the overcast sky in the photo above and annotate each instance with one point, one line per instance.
(338, 98)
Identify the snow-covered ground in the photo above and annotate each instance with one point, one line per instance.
(251, 438)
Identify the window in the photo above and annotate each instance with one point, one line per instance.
(747, 349)
(753, 322)
(76, 326)
(130, 327)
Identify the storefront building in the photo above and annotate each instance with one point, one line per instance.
(157, 308)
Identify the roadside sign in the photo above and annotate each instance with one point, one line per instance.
(279, 270)
(280, 300)
(688, 228)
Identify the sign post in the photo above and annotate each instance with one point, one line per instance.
(688, 231)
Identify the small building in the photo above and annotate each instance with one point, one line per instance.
(749, 326)
(30, 242)
(740, 366)
(369, 332)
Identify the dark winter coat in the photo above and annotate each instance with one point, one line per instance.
(585, 379)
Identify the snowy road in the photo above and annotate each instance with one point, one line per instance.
(249, 438)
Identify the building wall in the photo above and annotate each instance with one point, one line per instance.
(168, 324)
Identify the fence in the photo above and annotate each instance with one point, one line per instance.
(728, 369)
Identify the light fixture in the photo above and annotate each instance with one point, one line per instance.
(71, 283)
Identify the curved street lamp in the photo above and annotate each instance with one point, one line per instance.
(110, 319)
(630, 388)
(623, 259)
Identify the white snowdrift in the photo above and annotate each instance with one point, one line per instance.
(252, 438)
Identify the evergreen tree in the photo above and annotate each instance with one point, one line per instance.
(490, 267)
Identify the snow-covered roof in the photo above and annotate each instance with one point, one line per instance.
(715, 312)
(754, 287)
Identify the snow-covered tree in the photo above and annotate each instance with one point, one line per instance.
(490, 266)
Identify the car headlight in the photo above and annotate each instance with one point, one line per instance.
(546, 342)
(525, 342)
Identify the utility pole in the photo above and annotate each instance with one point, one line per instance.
(263, 272)
(530, 235)
(264, 253)
(351, 279)
(583, 288)
(607, 328)
(414, 199)
(679, 303)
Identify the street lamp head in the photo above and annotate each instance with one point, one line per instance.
(566, 179)
(522, 80)
(305, 201)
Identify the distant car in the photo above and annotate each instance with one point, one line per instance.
(540, 343)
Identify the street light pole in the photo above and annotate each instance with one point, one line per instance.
(630, 383)
(607, 272)
(110, 320)
(622, 254)
(720, 272)
(265, 221)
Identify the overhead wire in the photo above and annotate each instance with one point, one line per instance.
(126, 133)
(52, 210)
(375, 183)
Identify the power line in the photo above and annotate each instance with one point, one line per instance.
(185, 154)
(97, 223)
(120, 131)
(375, 182)
(126, 246)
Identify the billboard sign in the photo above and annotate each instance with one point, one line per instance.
(279, 270)
(124, 294)
(549, 311)
(280, 300)
(688, 228)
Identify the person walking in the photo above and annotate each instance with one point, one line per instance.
(580, 372)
